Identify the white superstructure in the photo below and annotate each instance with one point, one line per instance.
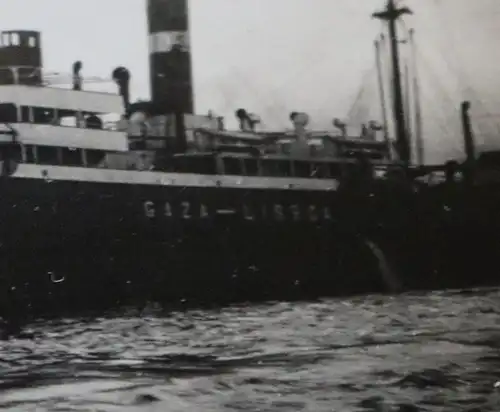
(59, 98)
(39, 114)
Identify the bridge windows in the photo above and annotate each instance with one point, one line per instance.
(15, 40)
(60, 156)
(26, 114)
(251, 166)
(319, 170)
(269, 168)
(93, 158)
(5, 39)
(205, 165)
(11, 151)
(48, 155)
(18, 39)
(30, 154)
(302, 169)
(8, 113)
(233, 166)
(71, 157)
(334, 170)
(274, 167)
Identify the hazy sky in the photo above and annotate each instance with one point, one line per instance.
(276, 56)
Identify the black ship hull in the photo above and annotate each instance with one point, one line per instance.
(83, 239)
(70, 240)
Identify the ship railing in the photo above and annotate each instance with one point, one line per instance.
(378, 164)
(289, 136)
(34, 76)
(7, 130)
(111, 125)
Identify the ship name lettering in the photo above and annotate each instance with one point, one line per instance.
(313, 214)
(149, 209)
(295, 212)
(247, 213)
(168, 209)
(203, 211)
(278, 212)
(186, 209)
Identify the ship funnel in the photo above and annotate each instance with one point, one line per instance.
(121, 76)
(170, 54)
(77, 78)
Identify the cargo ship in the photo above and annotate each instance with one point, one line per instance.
(164, 205)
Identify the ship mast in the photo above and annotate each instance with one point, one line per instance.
(378, 45)
(419, 142)
(391, 14)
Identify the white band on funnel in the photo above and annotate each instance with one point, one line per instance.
(163, 42)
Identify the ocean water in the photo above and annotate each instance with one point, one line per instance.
(434, 352)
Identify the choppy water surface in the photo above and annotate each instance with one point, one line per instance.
(437, 352)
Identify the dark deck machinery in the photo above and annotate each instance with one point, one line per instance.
(170, 55)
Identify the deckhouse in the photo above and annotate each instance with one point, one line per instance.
(45, 124)
(35, 113)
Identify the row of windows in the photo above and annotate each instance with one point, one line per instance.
(47, 155)
(14, 39)
(249, 166)
(9, 113)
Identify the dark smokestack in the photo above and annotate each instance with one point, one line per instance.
(121, 76)
(77, 78)
(170, 55)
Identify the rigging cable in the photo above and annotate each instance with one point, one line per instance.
(462, 77)
(380, 47)
(419, 142)
(313, 56)
(357, 108)
(443, 118)
(415, 52)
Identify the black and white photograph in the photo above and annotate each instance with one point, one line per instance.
(249, 205)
